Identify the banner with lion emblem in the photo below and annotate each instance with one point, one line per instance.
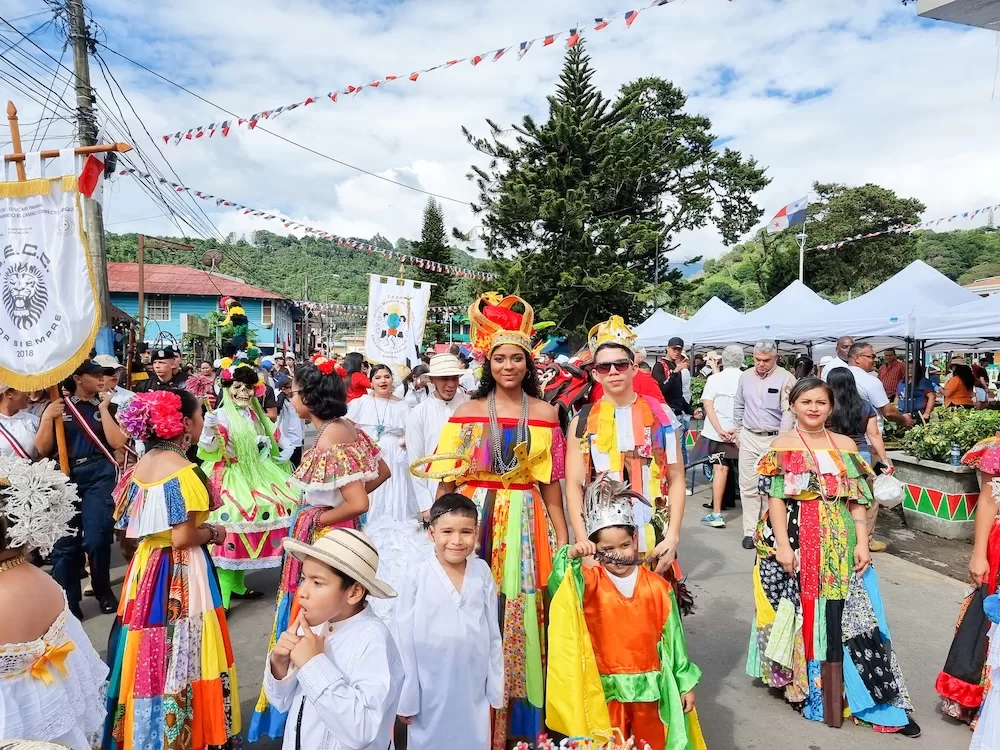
(397, 314)
(49, 313)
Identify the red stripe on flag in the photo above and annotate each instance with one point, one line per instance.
(630, 17)
(414, 76)
(548, 40)
(602, 24)
(87, 182)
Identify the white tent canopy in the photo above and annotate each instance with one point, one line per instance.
(660, 324)
(888, 311)
(775, 320)
(974, 325)
(712, 314)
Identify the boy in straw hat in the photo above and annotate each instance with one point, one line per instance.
(336, 670)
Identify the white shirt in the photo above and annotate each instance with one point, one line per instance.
(452, 654)
(352, 688)
(290, 426)
(423, 428)
(833, 365)
(468, 382)
(870, 388)
(686, 384)
(626, 584)
(720, 389)
(22, 427)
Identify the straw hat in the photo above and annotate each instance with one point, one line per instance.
(959, 359)
(445, 366)
(348, 551)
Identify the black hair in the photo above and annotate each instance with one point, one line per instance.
(615, 345)
(245, 374)
(415, 372)
(809, 384)
(453, 502)
(964, 373)
(803, 368)
(919, 371)
(324, 395)
(377, 368)
(454, 349)
(847, 416)
(529, 385)
(346, 582)
(206, 362)
(353, 362)
(630, 530)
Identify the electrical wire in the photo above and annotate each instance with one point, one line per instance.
(283, 138)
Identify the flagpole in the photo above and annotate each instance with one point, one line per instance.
(801, 236)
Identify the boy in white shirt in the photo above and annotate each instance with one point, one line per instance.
(448, 630)
(336, 671)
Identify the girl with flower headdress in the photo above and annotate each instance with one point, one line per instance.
(505, 450)
(51, 678)
(249, 468)
(173, 679)
(336, 478)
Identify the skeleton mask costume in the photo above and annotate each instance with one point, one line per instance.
(242, 394)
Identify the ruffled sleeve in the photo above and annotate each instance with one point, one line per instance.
(794, 475)
(337, 466)
(558, 455)
(985, 456)
(142, 510)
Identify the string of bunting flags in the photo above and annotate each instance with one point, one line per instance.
(423, 263)
(337, 307)
(572, 37)
(907, 228)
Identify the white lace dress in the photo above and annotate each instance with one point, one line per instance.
(393, 518)
(52, 688)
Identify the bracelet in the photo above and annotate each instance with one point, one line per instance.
(864, 521)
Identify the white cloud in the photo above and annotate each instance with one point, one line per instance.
(908, 103)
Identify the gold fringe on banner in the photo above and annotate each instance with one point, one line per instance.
(18, 380)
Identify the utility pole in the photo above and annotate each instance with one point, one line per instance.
(87, 135)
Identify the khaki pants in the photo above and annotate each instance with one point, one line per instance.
(752, 446)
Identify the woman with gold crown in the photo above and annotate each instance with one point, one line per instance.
(504, 450)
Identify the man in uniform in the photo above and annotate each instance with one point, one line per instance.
(166, 371)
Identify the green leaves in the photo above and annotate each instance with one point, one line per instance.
(966, 427)
(581, 210)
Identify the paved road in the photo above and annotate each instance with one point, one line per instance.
(736, 715)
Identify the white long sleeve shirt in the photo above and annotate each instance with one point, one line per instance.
(290, 425)
(347, 695)
(423, 428)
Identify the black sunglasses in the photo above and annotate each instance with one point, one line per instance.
(620, 365)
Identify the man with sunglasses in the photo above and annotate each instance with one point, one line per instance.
(633, 437)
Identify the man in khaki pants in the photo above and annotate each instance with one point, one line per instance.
(761, 413)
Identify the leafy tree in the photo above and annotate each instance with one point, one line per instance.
(982, 271)
(433, 246)
(840, 212)
(955, 253)
(580, 211)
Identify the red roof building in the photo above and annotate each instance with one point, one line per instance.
(161, 278)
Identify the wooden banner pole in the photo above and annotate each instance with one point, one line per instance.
(18, 158)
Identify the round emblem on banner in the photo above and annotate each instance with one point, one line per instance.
(25, 294)
(64, 227)
(391, 326)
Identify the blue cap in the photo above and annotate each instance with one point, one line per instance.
(281, 380)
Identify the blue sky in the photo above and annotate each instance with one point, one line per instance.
(854, 91)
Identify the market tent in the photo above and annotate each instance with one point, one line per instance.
(974, 325)
(886, 313)
(712, 314)
(775, 320)
(660, 324)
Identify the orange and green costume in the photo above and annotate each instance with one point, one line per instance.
(618, 665)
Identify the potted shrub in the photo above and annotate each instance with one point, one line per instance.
(939, 498)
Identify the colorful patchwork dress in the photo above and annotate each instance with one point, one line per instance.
(963, 681)
(242, 458)
(173, 678)
(517, 540)
(821, 634)
(320, 477)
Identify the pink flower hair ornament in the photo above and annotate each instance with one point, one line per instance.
(149, 414)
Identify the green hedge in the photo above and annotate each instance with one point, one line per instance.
(966, 427)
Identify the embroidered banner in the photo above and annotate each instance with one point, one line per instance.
(397, 314)
(49, 312)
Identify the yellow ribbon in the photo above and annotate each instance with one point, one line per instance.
(522, 472)
(54, 658)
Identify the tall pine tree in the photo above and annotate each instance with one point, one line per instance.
(580, 211)
(433, 246)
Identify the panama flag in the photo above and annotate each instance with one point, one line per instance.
(791, 215)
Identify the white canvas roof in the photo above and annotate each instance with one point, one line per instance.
(776, 320)
(658, 325)
(974, 325)
(712, 314)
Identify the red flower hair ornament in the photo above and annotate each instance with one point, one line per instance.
(324, 365)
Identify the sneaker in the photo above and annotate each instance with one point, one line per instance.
(715, 520)
(748, 542)
(688, 492)
(911, 730)
(876, 546)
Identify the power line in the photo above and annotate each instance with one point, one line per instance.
(283, 138)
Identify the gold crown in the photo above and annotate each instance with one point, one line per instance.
(611, 331)
(487, 333)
